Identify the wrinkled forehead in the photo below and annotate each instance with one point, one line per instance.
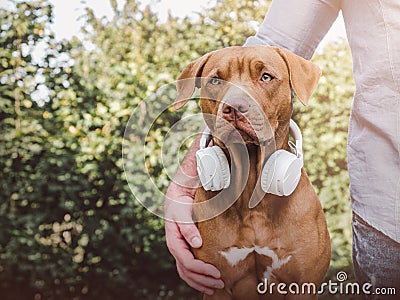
(228, 62)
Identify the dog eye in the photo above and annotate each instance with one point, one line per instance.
(266, 77)
(215, 81)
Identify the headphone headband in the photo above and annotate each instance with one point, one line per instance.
(205, 137)
(295, 132)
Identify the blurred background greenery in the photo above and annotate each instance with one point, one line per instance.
(69, 226)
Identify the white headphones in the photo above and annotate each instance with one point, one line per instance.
(280, 175)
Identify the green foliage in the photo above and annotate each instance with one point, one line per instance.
(70, 227)
(324, 126)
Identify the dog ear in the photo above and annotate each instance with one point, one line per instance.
(303, 74)
(189, 79)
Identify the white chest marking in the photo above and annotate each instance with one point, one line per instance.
(234, 255)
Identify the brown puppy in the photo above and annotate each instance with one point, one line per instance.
(284, 239)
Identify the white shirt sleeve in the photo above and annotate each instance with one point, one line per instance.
(297, 25)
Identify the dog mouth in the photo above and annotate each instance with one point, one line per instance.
(248, 134)
(238, 133)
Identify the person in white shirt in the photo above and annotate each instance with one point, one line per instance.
(373, 30)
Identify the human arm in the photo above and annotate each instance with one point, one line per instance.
(298, 26)
(181, 232)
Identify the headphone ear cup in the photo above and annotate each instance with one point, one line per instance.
(213, 168)
(222, 167)
(268, 172)
(281, 173)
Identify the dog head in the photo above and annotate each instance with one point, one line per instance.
(247, 88)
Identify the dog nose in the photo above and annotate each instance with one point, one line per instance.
(231, 106)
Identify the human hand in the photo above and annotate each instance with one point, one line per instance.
(180, 237)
